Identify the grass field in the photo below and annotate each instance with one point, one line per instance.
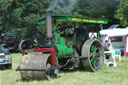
(107, 76)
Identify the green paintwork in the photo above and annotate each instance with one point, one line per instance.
(93, 62)
(64, 51)
(93, 48)
(75, 19)
(94, 59)
(64, 47)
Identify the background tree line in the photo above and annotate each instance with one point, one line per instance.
(21, 16)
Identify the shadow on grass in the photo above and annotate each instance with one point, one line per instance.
(74, 70)
(30, 80)
(4, 68)
(21, 80)
(59, 76)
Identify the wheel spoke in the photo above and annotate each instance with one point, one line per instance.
(93, 48)
(94, 56)
(91, 54)
(93, 62)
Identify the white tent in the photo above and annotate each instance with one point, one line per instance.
(118, 38)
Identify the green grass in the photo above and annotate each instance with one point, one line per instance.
(107, 76)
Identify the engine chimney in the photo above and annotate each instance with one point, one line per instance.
(49, 25)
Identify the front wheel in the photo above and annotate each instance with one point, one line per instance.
(38, 66)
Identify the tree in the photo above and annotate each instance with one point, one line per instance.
(21, 15)
(122, 12)
(98, 9)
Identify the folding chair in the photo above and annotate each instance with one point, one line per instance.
(115, 53)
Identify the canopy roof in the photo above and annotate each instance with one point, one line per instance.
(75, 19)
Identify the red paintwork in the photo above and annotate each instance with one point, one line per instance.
(126, 53)
(51, 50)
(67, 40)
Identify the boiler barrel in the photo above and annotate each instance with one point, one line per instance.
(64, 51)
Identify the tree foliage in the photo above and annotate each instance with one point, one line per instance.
(22, 15)
(98, 8)
(122, 12)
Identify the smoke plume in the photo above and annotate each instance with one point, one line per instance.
(63, 6)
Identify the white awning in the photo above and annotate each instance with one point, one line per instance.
(115, 32)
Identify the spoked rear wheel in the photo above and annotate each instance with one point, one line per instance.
(24, 44)
(94, 55)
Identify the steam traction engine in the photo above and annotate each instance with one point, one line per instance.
(66, 47)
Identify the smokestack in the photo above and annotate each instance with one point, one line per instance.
(49, 25)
